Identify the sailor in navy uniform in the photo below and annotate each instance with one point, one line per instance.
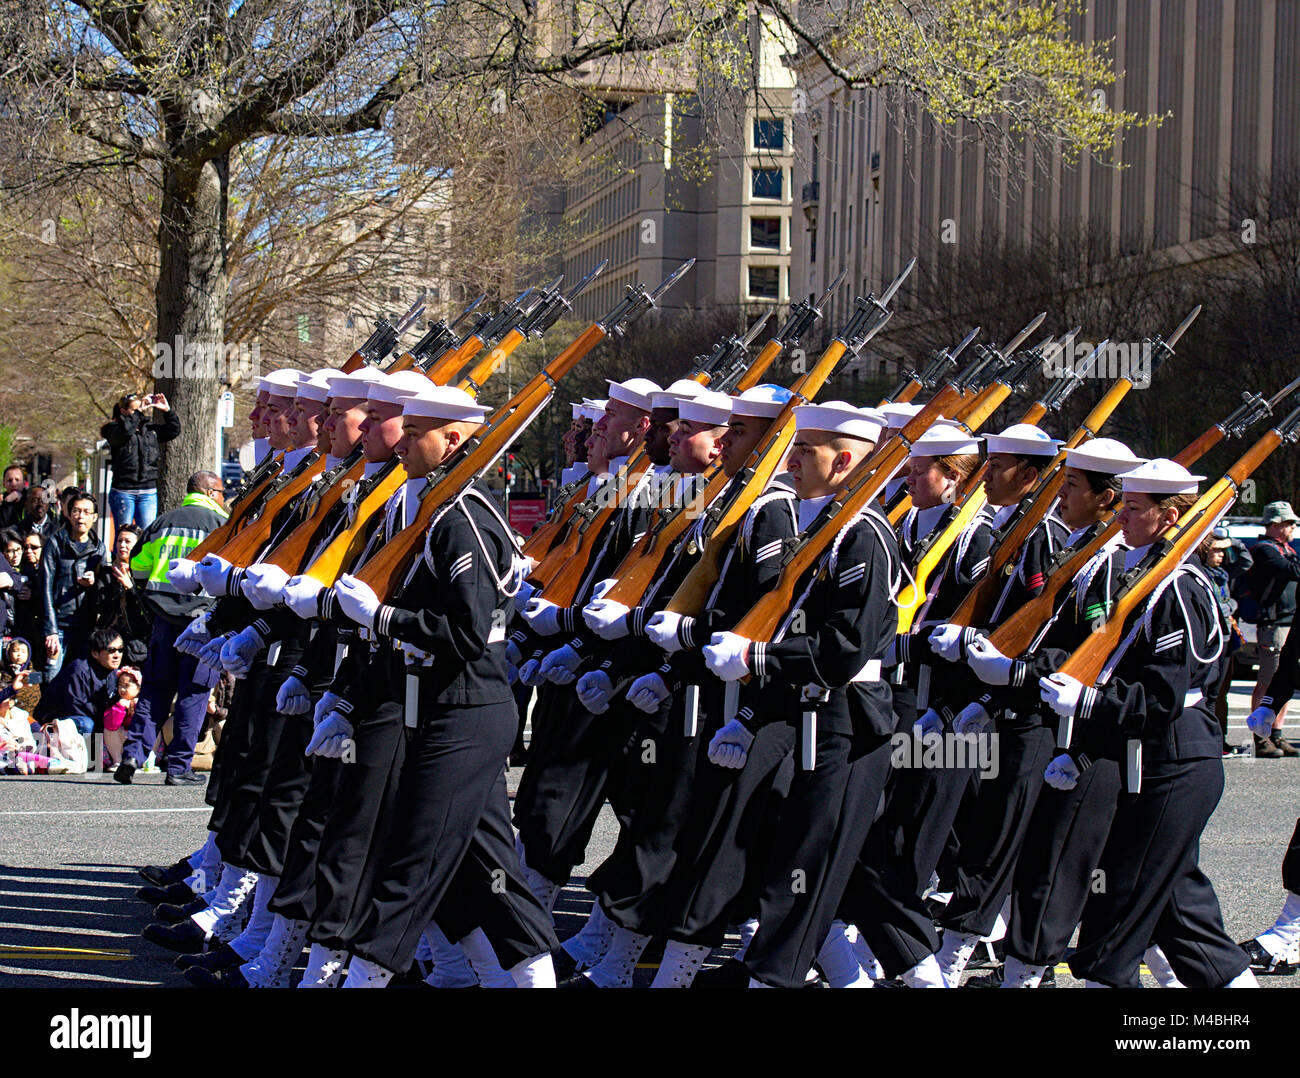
(571, 753)
(884, 895)
(1002, 810)
(1148, 710)
(824, 662)
(440, 664)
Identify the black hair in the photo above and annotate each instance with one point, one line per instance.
(11, 535)
(1100, 482)
(102, 639)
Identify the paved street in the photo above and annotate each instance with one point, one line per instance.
(69, 848)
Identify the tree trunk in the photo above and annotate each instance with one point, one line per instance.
(191, 304)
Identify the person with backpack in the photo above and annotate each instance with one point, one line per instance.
(1273, 577)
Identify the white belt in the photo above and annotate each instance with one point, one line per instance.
(1193, 698)
(870, 672)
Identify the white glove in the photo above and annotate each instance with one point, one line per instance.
(945, 640)
(326, 704)
(206, 676)
(663, 629)
(648, 693)
(606, 618)
(263, 584)
(543, 617)
(301, 594)
(330, 738)
(356, 600)
(294, 698)
(238, 653)
(989, 664)
(928, 724)
(181, 574)
(972, 719)
(602, 587)
(725, 656)
(560, 667)
(512, 673)
(1062, 773)
(514, 656)
(531, 673)
(210, 652)
(6, 581)
(1261, 721)
(730, 745)
(595, 690)
(211, 573)
(1061, 693)
(523, 595)
(193, 637)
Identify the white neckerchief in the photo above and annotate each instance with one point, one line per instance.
(1002, 514)
(1135, 555)
(261, 446)
(572, 472)
(594, 483)
(370, 467)
(294, 457)
(809, 508)
(411, 496)
(1076, 535)
(331, 461)
(926, 519)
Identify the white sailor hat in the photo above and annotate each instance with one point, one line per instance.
(593, 409)
(1160, 476)
(672, 397)
(355, 385)
(707, 409)
(898, 415)
(635, 391)
(577, 409)
(281, 383)
(1023, 439)
(840, 417)
(443, 402)
(942, 439)
(395, 388)
(765, 401)
(316, 386)
(1104, 455)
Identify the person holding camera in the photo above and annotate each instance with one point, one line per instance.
(133, 439)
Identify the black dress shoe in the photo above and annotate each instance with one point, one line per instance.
(994, 979)
(216, 978)
(565, 964)
(183, 938)
(580, 981)
(731, 974)
(224, 957)
(185, 778)
(1264, 964)
(177, 894)
(161, 877)
(168, 914)
(125, 772)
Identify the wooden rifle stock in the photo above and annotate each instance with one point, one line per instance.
(250, 536)
(384, 572)
(1015, 635)
(1090, 657)
(239, 513)
(537, 545)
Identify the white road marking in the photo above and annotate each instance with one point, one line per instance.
(100, 812)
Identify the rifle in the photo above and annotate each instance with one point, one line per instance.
(975, 607)
(723, 518)
(1088, 660)
(441, 336)
(861, 490)
(383, 340)
(374, 491)
(1016, 634)
(935, 546)
(929, 376)
(585, 517)
(385, 572)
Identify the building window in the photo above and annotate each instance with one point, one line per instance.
(812, 246)
(765, 233)
(764, 282)
(769, 134)
(766, 183)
